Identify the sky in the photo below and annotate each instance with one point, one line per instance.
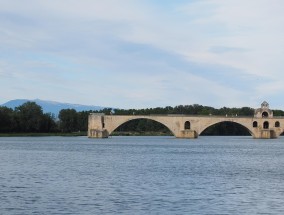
(143, 53)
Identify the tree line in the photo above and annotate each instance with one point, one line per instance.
(29, 118)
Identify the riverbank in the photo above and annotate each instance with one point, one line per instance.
(74, 134)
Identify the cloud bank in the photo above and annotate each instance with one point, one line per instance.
(136, 54)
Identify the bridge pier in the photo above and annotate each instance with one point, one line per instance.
(95, 133)
(96, 126)
(187, 134)
(265, 134)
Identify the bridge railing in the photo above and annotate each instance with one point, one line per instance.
(192, 115)
(189, 115)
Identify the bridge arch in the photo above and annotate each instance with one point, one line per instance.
(250, 131)
(126, 120)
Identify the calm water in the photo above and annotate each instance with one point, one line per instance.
(141, 175)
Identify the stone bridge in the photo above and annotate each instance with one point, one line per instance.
(261, 125)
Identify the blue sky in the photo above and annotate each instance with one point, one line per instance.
(143, 53)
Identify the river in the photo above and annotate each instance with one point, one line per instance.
(141, 175)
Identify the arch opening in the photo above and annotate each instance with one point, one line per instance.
(226, 128)
(266, 125)
(255, 124)
(264, 114)
(187, 125)
(277, 124)
(142, 127)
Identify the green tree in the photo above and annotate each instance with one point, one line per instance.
(48, 123)
(6, 119)
(83, 120)
(278, 112)
(68, 120)
(29, 117)
(246, 111)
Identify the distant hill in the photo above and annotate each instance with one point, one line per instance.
(51, 106)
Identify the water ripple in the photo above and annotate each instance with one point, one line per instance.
(141, 175)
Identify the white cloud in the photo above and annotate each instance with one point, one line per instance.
(255, 26)
(140, 53)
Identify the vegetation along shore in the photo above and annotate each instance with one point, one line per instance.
(29, 119)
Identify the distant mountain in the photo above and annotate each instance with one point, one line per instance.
(51, 106)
